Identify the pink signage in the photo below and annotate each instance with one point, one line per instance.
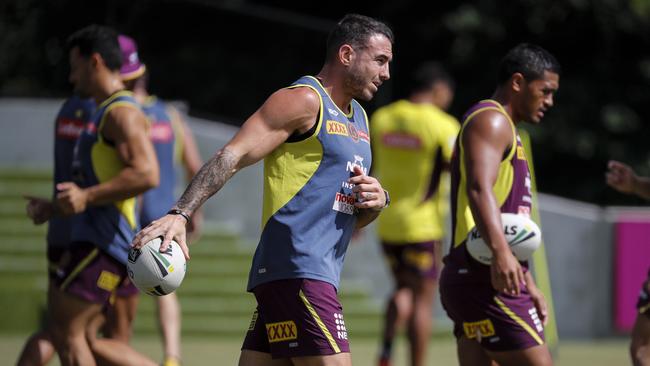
(632, 262)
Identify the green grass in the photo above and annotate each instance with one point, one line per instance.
(205, 351)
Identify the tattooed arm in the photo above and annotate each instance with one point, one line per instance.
(285, 112)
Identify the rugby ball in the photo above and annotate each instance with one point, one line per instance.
(154, 272)
(522, 234)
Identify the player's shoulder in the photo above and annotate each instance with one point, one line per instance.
(490, 125)
(447, 122)
(295, 101)
(125, 113)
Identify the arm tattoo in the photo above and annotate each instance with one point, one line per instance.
(209, 179)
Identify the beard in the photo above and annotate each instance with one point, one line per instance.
(356, 85)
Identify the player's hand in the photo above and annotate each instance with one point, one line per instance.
(506, 273)
(369, 192)
(168, 227)
(540, 303)
(40, 210)
(620, 177)
(71, 199)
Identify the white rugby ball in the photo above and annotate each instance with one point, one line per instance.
(522, 234)
(154, 272)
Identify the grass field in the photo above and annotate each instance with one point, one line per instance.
(219, 351)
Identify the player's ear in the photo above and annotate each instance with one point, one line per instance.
(95, 60)
(517, 81)
(346, 53)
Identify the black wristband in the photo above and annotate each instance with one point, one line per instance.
(387, 199)
(175, 211)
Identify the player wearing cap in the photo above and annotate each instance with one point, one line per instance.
(174, 144)
(114, 161)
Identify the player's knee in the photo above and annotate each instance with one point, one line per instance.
(403, 300)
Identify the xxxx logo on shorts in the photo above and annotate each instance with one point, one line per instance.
(282, 331)
(163, 264)
(479, 329)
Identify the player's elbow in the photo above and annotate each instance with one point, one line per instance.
(149, 177)
(153, 178)
(476, 191)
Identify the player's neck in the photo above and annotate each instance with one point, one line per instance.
(141, 95)
(107, 86)
(505, 100)
(421, 98)
(335, 89)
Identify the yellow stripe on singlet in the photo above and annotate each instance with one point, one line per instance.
(80, 267)
(320, 323)
(289, 167)
(519, 320)
(107, 163)
(502, 186)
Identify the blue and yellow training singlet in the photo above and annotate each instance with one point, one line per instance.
(74, 115)
(512, 191)
(110, 227)
(157, 201)
(308, 214)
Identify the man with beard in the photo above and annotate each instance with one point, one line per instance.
(315, 141)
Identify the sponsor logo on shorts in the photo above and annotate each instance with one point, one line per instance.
(108, 281)
(282, 331)
(480, 329)
(336, 128)
(251, 326)
(341, 331)
(538, 323)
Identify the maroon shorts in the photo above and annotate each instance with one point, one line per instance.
(126, 289)
(89, 273)
(418, 258)
(643, 304)
(497, 321)
(296, 318)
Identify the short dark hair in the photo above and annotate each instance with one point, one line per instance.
(99, 39)
(355, 30)
(427, 74)
(528, 59)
